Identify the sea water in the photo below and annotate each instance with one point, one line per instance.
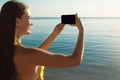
(101, 60)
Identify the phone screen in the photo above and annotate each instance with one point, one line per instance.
(68, 19)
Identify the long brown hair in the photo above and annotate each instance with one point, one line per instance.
(10, 10)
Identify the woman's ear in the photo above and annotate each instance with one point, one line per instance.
(17, 21)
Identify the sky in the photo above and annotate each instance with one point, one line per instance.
(84, 8)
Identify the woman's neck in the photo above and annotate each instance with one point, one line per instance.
(17, 37)
(17, 40)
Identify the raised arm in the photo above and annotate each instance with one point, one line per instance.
(40, 56)
(46, 44)
(78, 51)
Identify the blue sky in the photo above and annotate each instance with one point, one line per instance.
(84, 8)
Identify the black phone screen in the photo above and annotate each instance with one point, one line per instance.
(68, 19)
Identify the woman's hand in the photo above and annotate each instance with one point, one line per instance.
(78, 23)
(57, 30)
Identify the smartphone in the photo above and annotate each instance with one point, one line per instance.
(68, 19)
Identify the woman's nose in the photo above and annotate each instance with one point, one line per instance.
(31, 23)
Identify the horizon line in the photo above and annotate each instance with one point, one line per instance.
(60, 17)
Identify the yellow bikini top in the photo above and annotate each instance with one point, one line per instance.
(39, 70)
(39, 73)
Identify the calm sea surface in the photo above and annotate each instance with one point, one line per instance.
(102, 48)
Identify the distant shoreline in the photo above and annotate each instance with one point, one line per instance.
(80, 17)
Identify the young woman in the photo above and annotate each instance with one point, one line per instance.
(21, 63)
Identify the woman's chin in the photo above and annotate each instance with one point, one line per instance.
(27, 33)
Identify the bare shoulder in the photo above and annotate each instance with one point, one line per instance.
(24, 51)
(19, 53)
(34, 56)
(26, 55)
(38, 56)
(29, 53)
(21, 50)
